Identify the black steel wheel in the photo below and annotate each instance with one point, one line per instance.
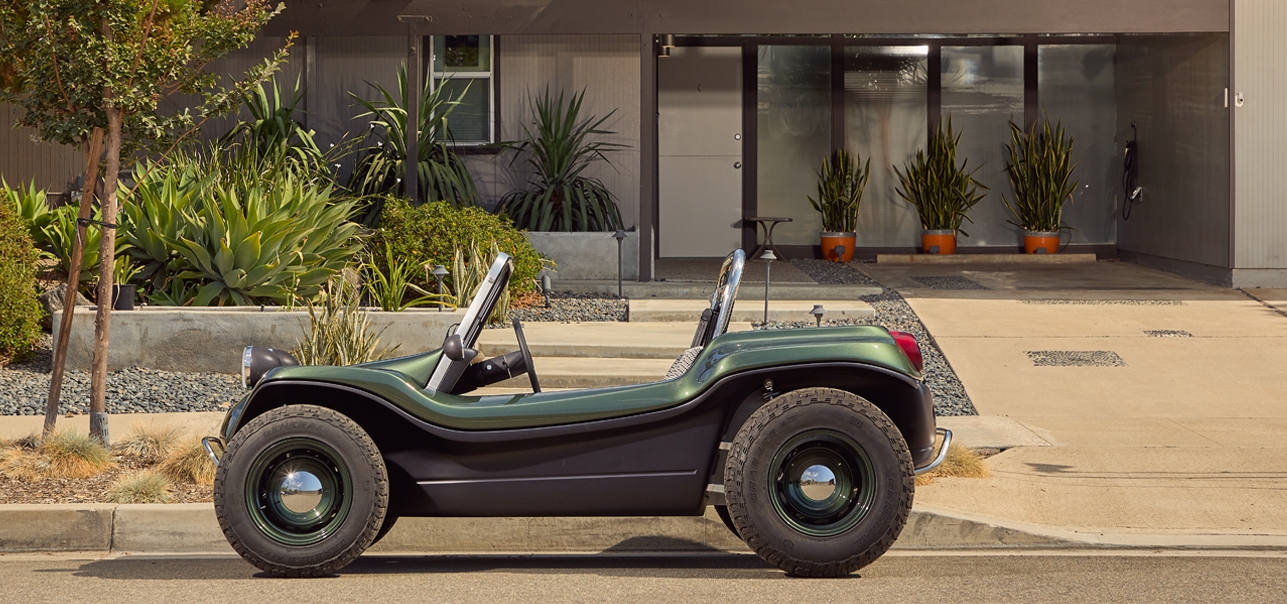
(819, 482)
(302, 491)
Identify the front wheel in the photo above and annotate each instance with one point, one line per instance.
(819, 482)
(302, 491)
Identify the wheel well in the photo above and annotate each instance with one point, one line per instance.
(390, 432)
(903, 403)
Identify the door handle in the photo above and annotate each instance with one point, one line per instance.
(737, 165)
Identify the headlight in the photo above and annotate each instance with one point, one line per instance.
(259, 360)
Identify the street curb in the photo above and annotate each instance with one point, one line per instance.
(192, 528)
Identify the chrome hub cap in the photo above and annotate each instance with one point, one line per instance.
(298, 491)
(822, 483)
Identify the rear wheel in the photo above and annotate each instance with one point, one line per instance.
(302, 491)
(819, 482)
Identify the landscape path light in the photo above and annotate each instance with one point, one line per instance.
(768, 257)
(817, 313)
(439, 272)
(620, 236)
(546, 287)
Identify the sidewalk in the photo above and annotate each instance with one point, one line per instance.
(1173, 428)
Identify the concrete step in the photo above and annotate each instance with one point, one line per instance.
(967, 258)
(645, 310)
(702, 290)
(567, 372)
(639, 340)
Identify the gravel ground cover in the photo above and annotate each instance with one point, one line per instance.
(24, 388)
(569, 307)
(1075, 358)
(892, 312)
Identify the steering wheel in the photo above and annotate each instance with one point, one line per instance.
(527, 356)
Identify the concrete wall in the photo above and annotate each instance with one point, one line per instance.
(1173, 87)
(591, 256)
(212, 339)
(607, 68)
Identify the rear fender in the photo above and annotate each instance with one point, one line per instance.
(905, 400)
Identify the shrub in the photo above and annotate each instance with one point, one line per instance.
(32, 206)
(148, 486)
(431, 234)
(189, 463)
(20, 311)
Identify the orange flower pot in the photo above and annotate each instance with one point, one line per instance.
(938, 242)
(1041, 243)
(831, 240)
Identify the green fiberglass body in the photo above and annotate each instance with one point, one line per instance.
(805, 440)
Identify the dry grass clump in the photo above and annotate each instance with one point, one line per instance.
(148, 486)
(151, 443)
(62, 455)
(959, 463)
(189, 463)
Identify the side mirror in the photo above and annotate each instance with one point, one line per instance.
(453, 348)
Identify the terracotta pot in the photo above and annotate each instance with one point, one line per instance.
(1040, 242)
(831, 240)
(938, 242)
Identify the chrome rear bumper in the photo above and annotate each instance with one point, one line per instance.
(942, 451)
(209, 443)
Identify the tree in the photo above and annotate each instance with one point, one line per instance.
(81, 67)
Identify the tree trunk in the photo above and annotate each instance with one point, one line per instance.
(107, 247)
(73, 282)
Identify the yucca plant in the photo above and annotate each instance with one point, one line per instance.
(273, 127)
(340, 332)
(381, 168)
(1040, 169)
(840, 187)
(941, 191)
(390, 287)
(560, 198)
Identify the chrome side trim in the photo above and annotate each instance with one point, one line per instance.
(942, 452)
(548, 478)
(207, 443)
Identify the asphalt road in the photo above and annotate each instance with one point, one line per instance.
(969, 577)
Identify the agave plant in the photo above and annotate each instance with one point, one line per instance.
(340, 332)
(840, 187)
(560, 198)
(264, 243)
(441, 175)
(33, 207)
(941, 191)
(61, 235)
(154, 215)
(1040, 169)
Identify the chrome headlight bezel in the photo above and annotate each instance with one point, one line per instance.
(247, 356)
(257, 361)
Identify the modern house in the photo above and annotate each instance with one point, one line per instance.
(728, 108)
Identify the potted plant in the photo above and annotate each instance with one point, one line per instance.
(123, 292)
(941, 191)
(840, 187)
(1040, 169)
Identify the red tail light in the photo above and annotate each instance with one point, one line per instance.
(907, 342)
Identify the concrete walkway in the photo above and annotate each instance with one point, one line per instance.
(1162, 398)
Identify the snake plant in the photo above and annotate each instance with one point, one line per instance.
(941, 191)
(1040, 170)
(840, 187)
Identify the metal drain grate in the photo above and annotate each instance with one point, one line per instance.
(1107, 302)
(1167, 333)
(1075, 358)
(949, 283)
